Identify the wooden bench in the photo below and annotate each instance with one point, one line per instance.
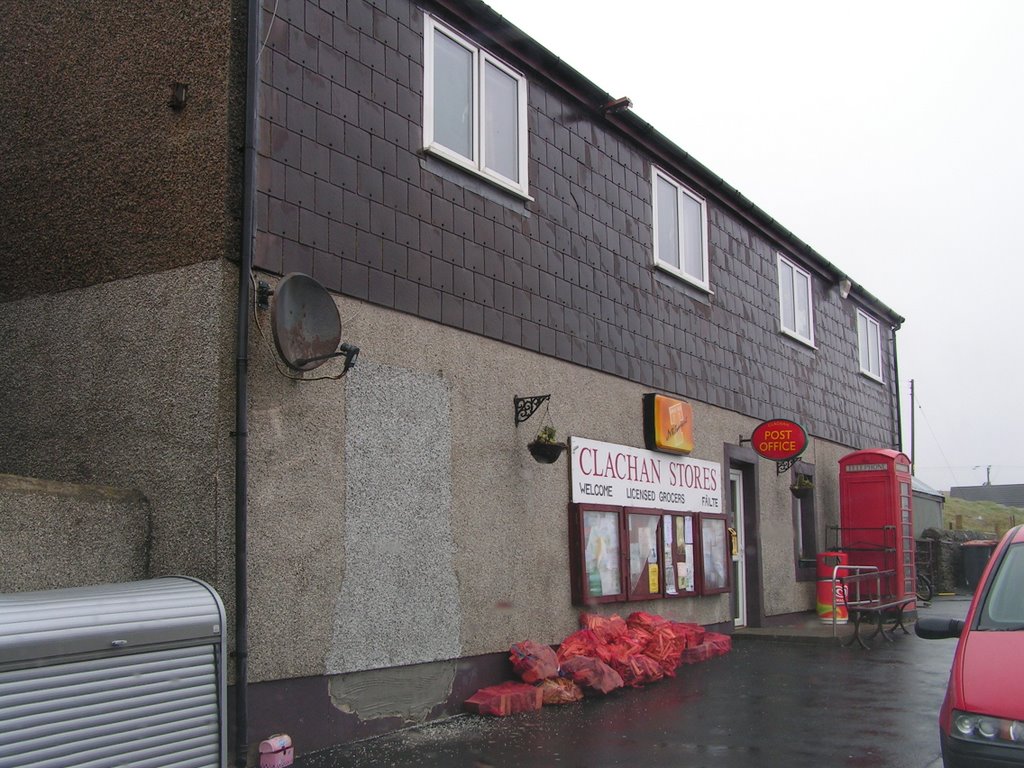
(882, 610)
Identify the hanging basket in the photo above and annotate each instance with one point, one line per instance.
(802, 491)
(544, 452)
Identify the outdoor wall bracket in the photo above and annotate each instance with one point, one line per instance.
(263, 294)
(785, 466)
(527, 406)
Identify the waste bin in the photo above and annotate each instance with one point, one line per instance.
(115, 674)
(827, 562)
(976, 555)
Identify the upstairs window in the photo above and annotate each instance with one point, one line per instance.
(869, 342)
(474, 108)
(795, 311)
(680, 224)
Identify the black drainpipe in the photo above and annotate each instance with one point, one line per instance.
(242, 393)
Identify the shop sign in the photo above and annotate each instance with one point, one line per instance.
(605, 473)
(668, 424)
(778, 440)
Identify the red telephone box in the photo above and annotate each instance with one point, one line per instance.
(876, 519)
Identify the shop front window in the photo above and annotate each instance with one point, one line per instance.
(620, 554)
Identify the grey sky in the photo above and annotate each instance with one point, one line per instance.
(889, 136)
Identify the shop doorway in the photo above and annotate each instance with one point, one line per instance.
(739, 566)
(741, 496)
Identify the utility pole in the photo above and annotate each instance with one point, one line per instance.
(988, 473)
(913, 451)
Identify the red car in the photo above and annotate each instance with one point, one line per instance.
(982, 719)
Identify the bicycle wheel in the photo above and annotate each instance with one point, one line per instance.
(925, 591)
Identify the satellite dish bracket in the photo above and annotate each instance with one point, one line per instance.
(349, 351)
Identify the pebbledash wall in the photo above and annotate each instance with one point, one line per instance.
(399, 525)
(400, 534)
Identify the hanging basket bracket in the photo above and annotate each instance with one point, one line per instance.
(527, 406)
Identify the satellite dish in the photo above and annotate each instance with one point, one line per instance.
(307, 328)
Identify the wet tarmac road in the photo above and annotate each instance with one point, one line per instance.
(766, 703)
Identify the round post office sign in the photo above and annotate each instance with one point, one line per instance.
(778, 440)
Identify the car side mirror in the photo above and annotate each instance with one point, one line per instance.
(938, 629)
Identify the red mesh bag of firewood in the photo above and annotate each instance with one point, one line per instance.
(618, 652)
(638, 670)
(696, 654)
(592, 675)
(714, 645)
(665, 647)
(719, 645)
(690, 634)
(583, 642)
(623, 647)
(559, 690)
(607, 628)
(505, 699)
(645, 621)
(533, 661)
(639, 637)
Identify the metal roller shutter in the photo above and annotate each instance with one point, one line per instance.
(156, 706)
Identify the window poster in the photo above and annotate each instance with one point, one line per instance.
(685, 563)
(652, 577)
(680, 575)
(669, 555)
(601, 552)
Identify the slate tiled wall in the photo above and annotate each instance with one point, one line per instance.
(345, 195)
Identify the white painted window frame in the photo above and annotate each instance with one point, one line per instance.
(792, 332)
(869, 331)
(681, 189)
(481, 59)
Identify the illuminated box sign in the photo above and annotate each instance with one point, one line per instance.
(605, 473)
(778, 439)
(866, 467)
(668, 424)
